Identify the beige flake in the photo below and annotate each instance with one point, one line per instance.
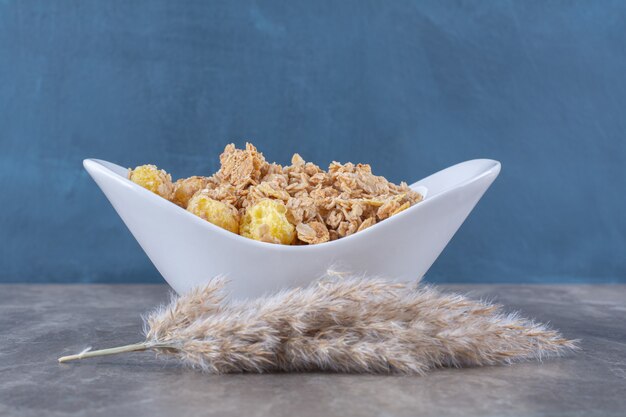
(313, 232)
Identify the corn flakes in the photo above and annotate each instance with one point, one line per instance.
(151, 178)
(296, 204)
(220, 214)
(267, 221)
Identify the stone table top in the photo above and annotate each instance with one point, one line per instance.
(38, 323)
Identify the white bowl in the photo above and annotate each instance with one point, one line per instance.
(189, 251)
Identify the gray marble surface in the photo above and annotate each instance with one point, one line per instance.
(38, 323)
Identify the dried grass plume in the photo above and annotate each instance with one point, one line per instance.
(340, 325)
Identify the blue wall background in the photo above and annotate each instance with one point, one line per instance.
(409, 86)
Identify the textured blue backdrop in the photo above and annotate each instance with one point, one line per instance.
(409, 86)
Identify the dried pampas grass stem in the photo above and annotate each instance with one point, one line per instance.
(340, 325)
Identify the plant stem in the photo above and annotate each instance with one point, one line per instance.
(103, 352)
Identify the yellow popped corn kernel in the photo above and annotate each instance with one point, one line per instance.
(220, 214)
(267, 221)
(185, 188)
(151, 178)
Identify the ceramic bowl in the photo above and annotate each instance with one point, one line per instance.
(188, 251)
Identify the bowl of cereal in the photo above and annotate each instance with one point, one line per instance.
(267, 227)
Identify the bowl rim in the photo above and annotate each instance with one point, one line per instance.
(103, 166)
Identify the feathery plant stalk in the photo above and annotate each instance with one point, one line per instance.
(340, 325)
